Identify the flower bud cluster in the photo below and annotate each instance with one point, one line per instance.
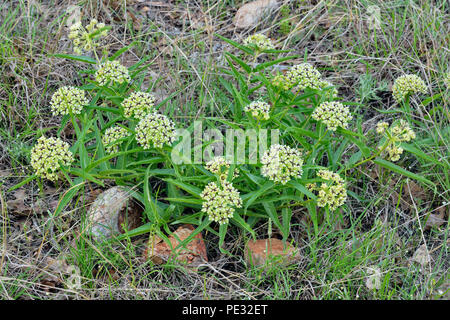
(156, 129)
(334, 114)
(112, 71)
(281, 163)
(68, 100)
(406, 85)
(48, 155)
(138, 105)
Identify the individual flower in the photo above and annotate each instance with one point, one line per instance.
(395, 134)
(260, 41)
(111, 136)
(86, 39)
(220, 201)
(303, 76)
(48, 155)
(334, 114)
(258, 109)
(68, 100)
(281, 163)
(157, 129)
(220, 166)
(111, 71)
(138, 104)
(407, 84)
(332, 192)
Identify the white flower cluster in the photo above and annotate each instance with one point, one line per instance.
(112, 71)
(260, 41)
(68, 100)
(281, 163)
(258, 109)
(86, 39)
(219, 202)
(138, 105)
(111, 136)
(157, 129)
(48, 155)
(334, 114)
(407, 84)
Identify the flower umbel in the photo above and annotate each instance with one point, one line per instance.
(281, 163)
(407, 84)
(68, 100)
(258, 109)
(48, 155)
(221, 166)
(157, 129)
(260, 41)
(112, 71)
(138, 105)
(394, 135)
(110, 138)
(219, 202)
(333, 114)
(86, 39)
(304, 76)
(332, 192)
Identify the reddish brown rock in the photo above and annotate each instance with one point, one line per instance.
(193, 255)
(259, 251)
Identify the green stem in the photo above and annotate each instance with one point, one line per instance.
(386, 144)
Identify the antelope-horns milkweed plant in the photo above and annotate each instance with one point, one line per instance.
(123, 135)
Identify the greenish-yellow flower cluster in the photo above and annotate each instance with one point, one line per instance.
(157, 129)
(334, 114)
(138, 105)
(68, 100)
(112, 71)
(258, 109)
(86, 39)
(260, 41)
(281, 163)
(303, 76)
(220, 201)
(220, 166)
(407, 84)
(332, 192)
(48, 155)
(394, 135)
(111, 136)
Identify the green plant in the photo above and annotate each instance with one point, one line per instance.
(122, 135)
